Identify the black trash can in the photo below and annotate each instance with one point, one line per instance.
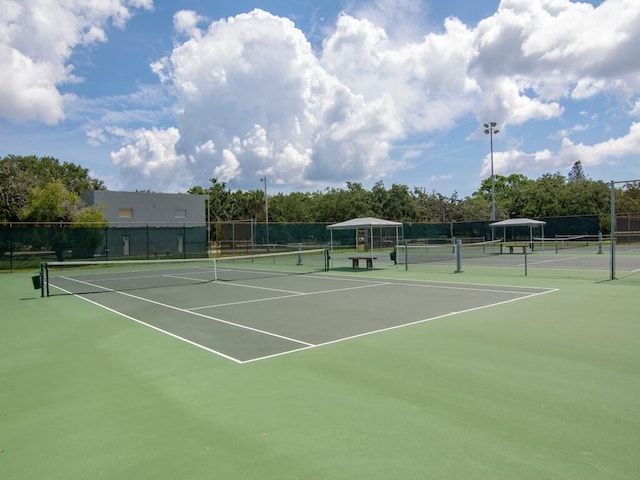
(37, 282)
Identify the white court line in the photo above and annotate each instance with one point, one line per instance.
(296, 294)
(172, 307)
(307, 345)
(158, 329)
(259, 288)
(428, 283)
(446, 285)
(550, 261)
(151, 275)
(396, 327)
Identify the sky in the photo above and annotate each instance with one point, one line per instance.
(163, 95)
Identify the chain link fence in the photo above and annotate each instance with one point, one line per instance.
(26, 245)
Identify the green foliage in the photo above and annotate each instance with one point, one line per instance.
(21, 176)
(551, 195)
(54, 203)
(91, 217)
(628, 198)
(43, 189)
(51, 203)
(576, 174)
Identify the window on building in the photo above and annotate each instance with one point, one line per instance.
(179, 213)
(125, 212)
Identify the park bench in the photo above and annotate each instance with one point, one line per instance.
(511, 248)
(355, 261)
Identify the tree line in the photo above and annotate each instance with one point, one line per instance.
(42, 189)
(551, 195)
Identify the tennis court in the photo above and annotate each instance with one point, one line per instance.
(262, 310)
(581, 257)
(285, 370)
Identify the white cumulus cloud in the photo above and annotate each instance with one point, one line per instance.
(37, 38)
(545, 160)
(254, 87)
(251, 97)
(152, 155)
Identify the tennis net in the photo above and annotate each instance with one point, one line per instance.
(270, 264)
(564, 242)
(445, 253)
(86, 277)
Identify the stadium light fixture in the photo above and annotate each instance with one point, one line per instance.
(490, 129)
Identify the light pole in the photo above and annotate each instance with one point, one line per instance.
(491, 130)
(266, 208)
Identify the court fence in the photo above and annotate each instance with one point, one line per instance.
(246, 236)
(25, 245)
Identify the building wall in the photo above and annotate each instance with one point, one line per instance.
(124, 208)
(146, 225)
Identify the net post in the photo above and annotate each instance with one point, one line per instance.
(599, 243)
(458, 249)
(327, 258)
(46, 273)
(41, 279)
(525, 261)
(406, 256)
(215, 270)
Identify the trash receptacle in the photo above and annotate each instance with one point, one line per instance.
(37, 283)
(393, 255)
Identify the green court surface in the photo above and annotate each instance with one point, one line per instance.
(373, 374)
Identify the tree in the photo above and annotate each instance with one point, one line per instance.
(294, 207)
(628, 198)
(585, 197)
(19, 176)
(51, 203)
(400, 205)
(220, 203)
(576, 174)
(54, 203)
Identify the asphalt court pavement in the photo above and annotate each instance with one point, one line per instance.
(261, 318)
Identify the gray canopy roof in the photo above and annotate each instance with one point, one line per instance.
(518, 222)
(366, 222)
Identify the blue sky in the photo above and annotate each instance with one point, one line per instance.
(163, 95)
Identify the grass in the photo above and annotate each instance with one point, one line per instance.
(544, 388)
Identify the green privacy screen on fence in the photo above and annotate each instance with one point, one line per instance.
(26, 245)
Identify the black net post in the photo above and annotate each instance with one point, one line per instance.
(41, 279)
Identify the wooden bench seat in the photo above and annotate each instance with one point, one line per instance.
(355, 261)
(511, 248)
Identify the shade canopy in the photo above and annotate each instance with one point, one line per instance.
(519, 222)
(366, 222)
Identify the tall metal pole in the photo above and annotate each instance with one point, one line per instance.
(490, 128)
(613, 229)
(266, 208)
